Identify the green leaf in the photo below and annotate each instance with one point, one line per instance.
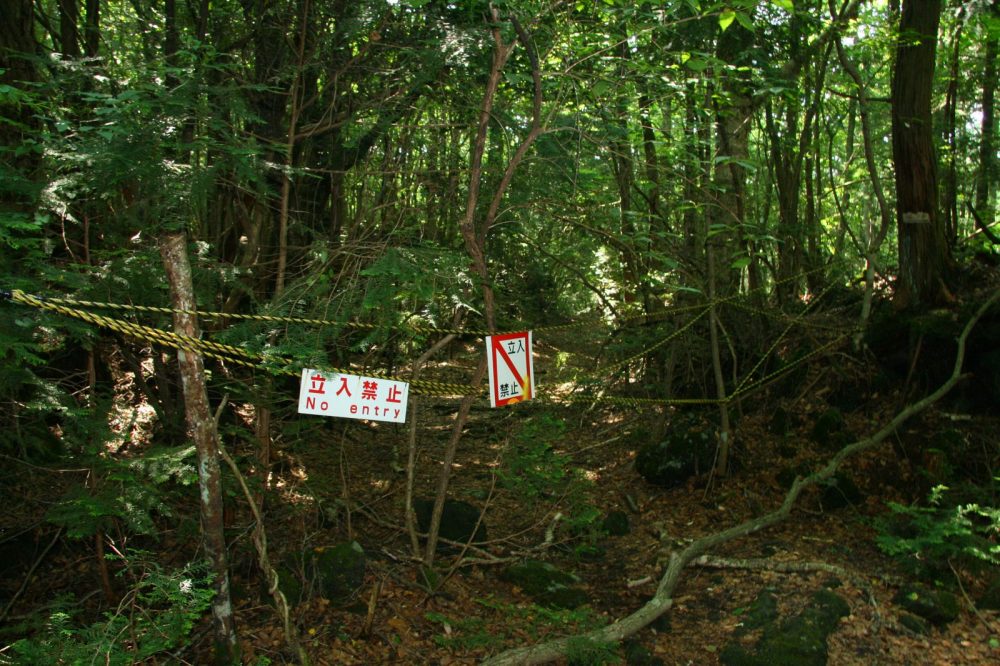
(744, 20)
(726, 19)
(787, 5)
(696, 64)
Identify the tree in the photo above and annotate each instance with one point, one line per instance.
(924, 256)
(987, 140)
(206, 439)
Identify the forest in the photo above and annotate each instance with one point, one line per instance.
(516, 332)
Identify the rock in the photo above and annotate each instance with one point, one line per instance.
(546, 584)
(800, 641)
(787, 475)
(915, 624)
(830, 430)
(936, 606)
(763, 610)
(990, 598)
(289, 584)
(637, 654)
(338, 571)
(686, 451)
(780, 423)
(458, 520)
(616, 523)
(840, 491)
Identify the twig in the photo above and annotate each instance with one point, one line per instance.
(979, 614)
(366, 630)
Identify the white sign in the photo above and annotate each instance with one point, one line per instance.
(352, 396)
(512, 372)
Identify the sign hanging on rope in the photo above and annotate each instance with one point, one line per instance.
(352, 396)
(512, 372)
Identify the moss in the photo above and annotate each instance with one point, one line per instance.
(763, 610)
(840, 491)
(829, 431)
(339, 570)
(915, 624)
(686, 451)
(800, 641)
(616, 523)
(938, 607)
(546, 584)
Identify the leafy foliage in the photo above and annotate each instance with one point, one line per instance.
(131, 491)
(157, 616)
(927, 538)
(508, 621)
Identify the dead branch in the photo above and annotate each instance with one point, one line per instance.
(662, 600)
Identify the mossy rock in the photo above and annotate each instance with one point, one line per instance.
(787, 475)
(990, 598)
(780, 423)
(938, 607)
(637, 654)
(458, 520)
(763, 610)
(686, 451)
(546, 584)
(616, 523)
(987, 373)
(840, 491)
(288, 582)
(799, 641)
(830, 430)
(917, 625)
(848, 397)
(338, 571)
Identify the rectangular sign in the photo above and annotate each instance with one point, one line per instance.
(352, 396)
(512, 372)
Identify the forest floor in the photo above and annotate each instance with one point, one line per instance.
(338, 481)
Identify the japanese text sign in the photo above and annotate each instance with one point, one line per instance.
(352, 396)
(512, 373)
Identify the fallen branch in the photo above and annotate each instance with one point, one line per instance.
(661, 601)
(766, 564)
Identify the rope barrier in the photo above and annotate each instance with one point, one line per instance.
(226, 353)
(279, 365)
(282, 319)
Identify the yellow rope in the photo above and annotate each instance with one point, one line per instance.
(235, 355)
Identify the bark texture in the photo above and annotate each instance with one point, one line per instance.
(201, 425)
(923, 249)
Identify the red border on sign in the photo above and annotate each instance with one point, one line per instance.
(525, 382)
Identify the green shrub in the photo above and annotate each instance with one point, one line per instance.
(156, 616)
(531, 466)
(927, 538)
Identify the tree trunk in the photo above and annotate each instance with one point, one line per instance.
(69, 31)
(923, 250)
(200, 422)
(17, 70)
(92, 29)
(949, 188)
(987, 151)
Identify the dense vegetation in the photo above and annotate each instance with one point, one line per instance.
(714, 198)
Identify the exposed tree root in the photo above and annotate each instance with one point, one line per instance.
(662, 600)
